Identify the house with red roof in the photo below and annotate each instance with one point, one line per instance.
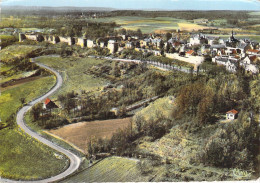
(190, 53)
(232, 114)
(249, 59)
(253, 52)
(48, 104)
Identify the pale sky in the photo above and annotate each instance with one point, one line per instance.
(146, 4)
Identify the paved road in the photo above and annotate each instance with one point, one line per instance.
(74, 160)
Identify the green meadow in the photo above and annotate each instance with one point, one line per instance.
(147, 25)
(22, 157)
(112, 169)
(73, 71)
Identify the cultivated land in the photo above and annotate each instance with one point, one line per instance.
(73, 71)
(112, 169)
(81, 133)
(21, 156)
(148, 25)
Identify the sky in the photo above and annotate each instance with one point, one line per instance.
(145, 4)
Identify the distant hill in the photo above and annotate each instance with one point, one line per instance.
(44, 9)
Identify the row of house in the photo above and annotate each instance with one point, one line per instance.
(230, 53)
(235, 53)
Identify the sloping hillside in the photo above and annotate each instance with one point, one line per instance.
(112, 169)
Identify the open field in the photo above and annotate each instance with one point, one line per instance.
(17, 52)
(7, 40)
(79, 134)
(74, 74)
(162, 106)
(18, 76)
(17, 83)
(147, 25)
(10, 99)
(22, 157)
(190, 26)
(112, 169)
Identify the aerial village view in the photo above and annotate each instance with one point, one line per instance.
(129, 91)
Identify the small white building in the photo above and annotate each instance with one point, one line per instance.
(112, 46)
(232, 114)
(90, 43)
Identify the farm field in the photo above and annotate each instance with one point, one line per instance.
(73, 71)
(148, 25)
(112, 169)
(79, 134)
(22, 157)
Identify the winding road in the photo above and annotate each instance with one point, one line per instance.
(74, 160)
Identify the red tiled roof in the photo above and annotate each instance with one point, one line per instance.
(252, 58)
(47, 101)
(255, 51)
(176, 43)
(233, 111)
(190, 52)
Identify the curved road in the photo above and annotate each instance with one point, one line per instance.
(74, 160)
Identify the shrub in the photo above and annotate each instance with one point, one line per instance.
(233, 145)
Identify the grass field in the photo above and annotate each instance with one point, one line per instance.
(190, 26)
(7, 40)
(74, 74)
(147, 25)
(17, 76)
(10, 99)
(22, 157)
(9, 54)
(164, 106)
(112, 169)
(79, 134)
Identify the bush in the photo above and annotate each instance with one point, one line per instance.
(233, 145)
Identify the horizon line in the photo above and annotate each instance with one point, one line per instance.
(113, 9)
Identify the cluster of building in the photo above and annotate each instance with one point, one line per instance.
(231, 53)
(236, 53)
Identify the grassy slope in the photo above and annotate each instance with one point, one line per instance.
(16, 51)
(181, 148)
(112, 169)
(163, 106)
(6, 40)
(73, 72)
(20, 156)
(17, 76)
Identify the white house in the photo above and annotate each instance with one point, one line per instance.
(112, 46)
(232, 114)
(90, 43)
